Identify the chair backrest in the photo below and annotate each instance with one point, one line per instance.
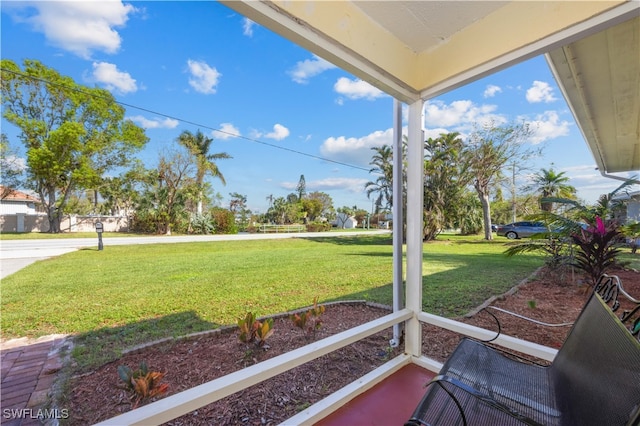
(596, 373)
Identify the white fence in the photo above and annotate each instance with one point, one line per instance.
(21, 222)
(281, 228)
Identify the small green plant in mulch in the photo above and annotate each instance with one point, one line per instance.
(251, 330)
(142, 383)
(309, 321)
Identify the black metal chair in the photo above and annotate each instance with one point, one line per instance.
(593, 380)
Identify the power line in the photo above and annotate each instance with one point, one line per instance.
(317, 157)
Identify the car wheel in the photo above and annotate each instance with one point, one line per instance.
(511, 235)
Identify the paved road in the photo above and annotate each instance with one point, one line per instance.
(16, 254)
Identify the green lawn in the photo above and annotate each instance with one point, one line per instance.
(125, 295)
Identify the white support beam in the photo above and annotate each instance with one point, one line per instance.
(415, 178)
(398, 220)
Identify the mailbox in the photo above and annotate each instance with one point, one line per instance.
(99, 229)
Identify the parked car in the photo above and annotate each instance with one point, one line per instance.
(521, 229)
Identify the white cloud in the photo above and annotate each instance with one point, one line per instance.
(356, 151)
(540, 92)
(435, 133)
(279, 132)
(13, 163)
(357, 89)
(155, 123)
(352, 185)
(548, 126)
(79, 27)
(491, 91)
(459, 114)
(204, 78)
(308, 68)
(113, 79)
(227, 131)
(247, 27)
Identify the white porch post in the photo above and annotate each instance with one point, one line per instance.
(415, 176)
(398, 219)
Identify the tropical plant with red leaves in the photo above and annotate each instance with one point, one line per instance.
(598, 247)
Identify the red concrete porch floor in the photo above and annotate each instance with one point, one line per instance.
(28, 372)
(390, 402)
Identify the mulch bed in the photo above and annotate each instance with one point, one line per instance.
(99, 395)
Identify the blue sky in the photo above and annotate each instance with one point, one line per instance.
(200, 65)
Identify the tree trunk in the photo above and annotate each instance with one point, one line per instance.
(199, 205)
(54, 220)
(486, 214)
(52, 212)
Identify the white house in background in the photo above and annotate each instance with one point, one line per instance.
(17, 202)
(632, 206)
(344, 221)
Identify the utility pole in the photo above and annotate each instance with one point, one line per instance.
(513, 192)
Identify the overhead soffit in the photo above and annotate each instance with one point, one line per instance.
(418, 24)
(600, 78)
(413, 49)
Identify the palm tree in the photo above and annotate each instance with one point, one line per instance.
(548, 184)
(198, 145)
(383, 185)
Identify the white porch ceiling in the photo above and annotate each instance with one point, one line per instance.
(420, 49)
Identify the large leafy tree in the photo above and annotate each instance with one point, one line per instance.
(445, 182)
(199, 145)
(283, 211)
(167, 191)
(121, 193)
(487, 151)
(548, 183)
(326, 202)
(73, 134)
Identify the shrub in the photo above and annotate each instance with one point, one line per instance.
(224, 221)
(598, 247)
(142, 383)
(318, 227)
(202, 224)
(309, 322)
(253, 331)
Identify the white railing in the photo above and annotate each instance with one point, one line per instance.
(539, 351)
(281, 228)
(184, 402)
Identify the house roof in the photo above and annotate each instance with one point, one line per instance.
(9, 194)
(419, 49)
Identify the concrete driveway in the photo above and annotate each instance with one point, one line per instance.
(17, 254)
